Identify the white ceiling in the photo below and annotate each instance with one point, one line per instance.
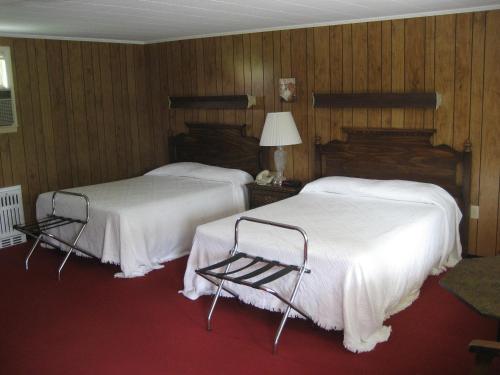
(158, 20)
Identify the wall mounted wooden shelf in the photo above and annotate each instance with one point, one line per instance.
(378, 100)
(212, 102)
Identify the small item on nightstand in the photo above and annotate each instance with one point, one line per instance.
(265, 177)
(292, 183)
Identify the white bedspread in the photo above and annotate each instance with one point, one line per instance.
(142, 222)
(371, 246)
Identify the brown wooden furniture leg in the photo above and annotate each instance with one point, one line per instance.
(485, 352)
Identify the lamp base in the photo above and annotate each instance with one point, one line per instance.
(279, 163)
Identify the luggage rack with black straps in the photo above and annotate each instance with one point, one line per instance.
(273, 269)
(39, 230)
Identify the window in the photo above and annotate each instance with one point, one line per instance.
(4, 81)
(8, 120)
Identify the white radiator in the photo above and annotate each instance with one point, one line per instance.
(11, 213)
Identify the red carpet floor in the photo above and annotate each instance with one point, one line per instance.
(92, 323)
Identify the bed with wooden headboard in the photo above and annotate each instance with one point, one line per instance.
(371, 244)
(400, 154)
(142, 222)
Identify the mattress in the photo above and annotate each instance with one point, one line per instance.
(140, 223)
(371, 246)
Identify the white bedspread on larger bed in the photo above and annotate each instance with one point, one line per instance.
(370, 250)
(142, 222)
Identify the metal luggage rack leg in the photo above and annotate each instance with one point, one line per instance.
(39, 230)
(267, 265)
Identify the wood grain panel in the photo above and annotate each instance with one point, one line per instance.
(118, 117)
(58, 110)
(101, 140)
(490, 155)
(335, 79)
(200, 74)
(127, 145)
(398, 68)
(218, 76)
(192, 75)
(444, 77)
(69, 124)
(45, 112)
(360, 69)
(179, 80)
(144, 111)
(227, 60)
(321, 78)
(239, 75)
(164, 90)
(374, 118)
(276, 69)
(299, 71)
(268, 71)
(209, 54)
(463, 68)
(386, 62)
(247, 73)
(476, 114)
(268, 65)
(414, 68)
(172, 77)
(108, 113)
(91, 115)
(37, 115)
(287, 45)
(430, 38)
(5, 153)
(257, 83)
(79, 114)
(347, 82)
(153, 58)
(25, 142)
(185, 76)
(5, 163)
(135, 166)
(311, 128)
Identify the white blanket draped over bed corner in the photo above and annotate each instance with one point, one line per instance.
(371, 246)
(142, 222)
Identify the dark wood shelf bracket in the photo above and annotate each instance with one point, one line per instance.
(212, 102)
(378, 100)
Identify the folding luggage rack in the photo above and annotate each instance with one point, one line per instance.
(274, 270)
(39, 229)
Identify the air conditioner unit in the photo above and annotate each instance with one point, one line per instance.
(11, 213)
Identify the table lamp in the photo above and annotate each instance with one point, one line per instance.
(280, 130)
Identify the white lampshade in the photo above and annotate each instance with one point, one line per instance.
(280, 130)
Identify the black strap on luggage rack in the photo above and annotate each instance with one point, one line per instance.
(274, 269)
(39, 230)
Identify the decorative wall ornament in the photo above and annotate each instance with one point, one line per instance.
(287, 89)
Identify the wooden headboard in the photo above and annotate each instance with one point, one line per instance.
(404, 154)
(217, 144)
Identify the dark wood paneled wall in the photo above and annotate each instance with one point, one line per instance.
(455, 55)
(85, 116)
(94, 112)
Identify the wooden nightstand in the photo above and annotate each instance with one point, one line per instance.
(260, 195)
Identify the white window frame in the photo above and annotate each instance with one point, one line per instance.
(5, 51)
